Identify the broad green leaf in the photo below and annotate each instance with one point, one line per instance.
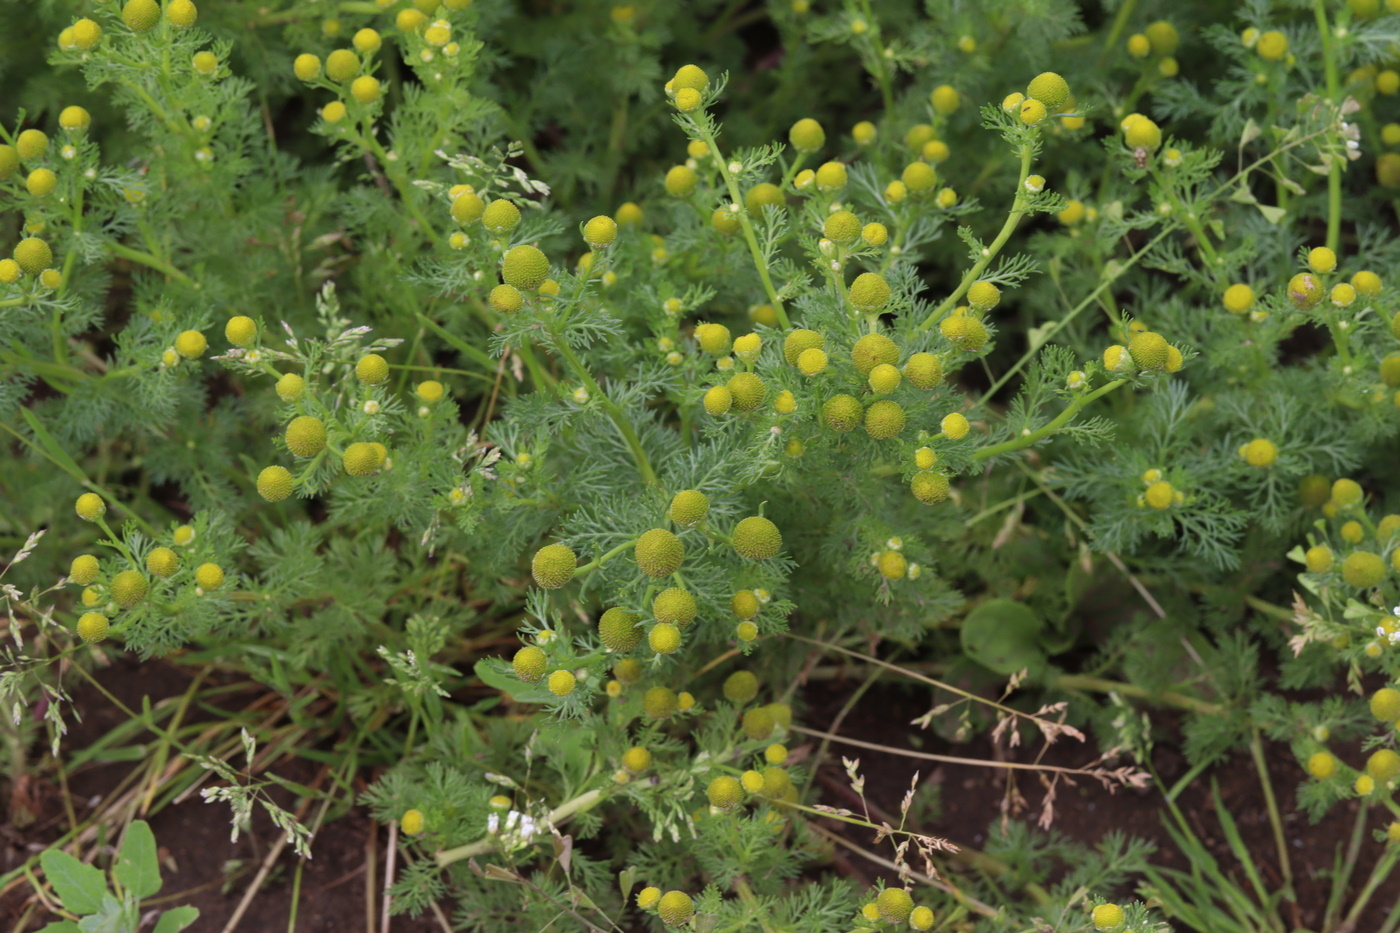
(114, 917)
(172, 921)
(137, 867)
(79, 886)
(61, 926)
(1004, 635)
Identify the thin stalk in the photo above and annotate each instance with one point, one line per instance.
(1256, 749)
(615, 412)
(1059, 421)
(563, 812)
(1378, 875)
(1334, 173)
(146, 259)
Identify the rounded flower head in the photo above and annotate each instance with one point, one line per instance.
(290, 387)
(807, 135)
(411, 823)
(209, 576)
(872, 350)
(1385, 704)
(86, 34)
(92, 627)
(90, 506)
(681, 181)
(842, 227)
(1367, 283)
(372, 369)
(275, 483)
(964, 331)
(689, 507)
(500, 217)
(342, 65)
(842, 413)
(955, 426)
(1318, 559)
(1272, 46)
(1048, 88)
(664, 638)
(1032, 112)
(191, 344)
(884, 419)
(884, 379)
(1238, 298)
(800, 340)
(744, 604)
(306, 67)
(894, 905)
(740, 687)
(725, 793)
(1383, 765)
(983, 295)
(1141, 133)
(928, 487)
(718, 400)
(945, 99)
(617, 629)
(659, 553)
(674, 606)
(675, 907)
(9, 161)
(525, 266)
(1346, 493)
(141, 15)
(83, 570)
(919, 177)
(637, 759)
(74, 118)
(747, 390)
(161, 562)
(892, 565)
(553, 566)
(831, 176)
(1148, 350)
(241, 331)
(757, 538)
(129, 588)
(33, 255)
(690, 76)
(41, 182)
(747, 347)
(1322, 766)
(812, 362)
(506, 299)
(306, 436)
(360, 459)
(181, 14)
(529, 664)
(600, 231)
(1322, 260)
(924, 371)
(1363, 569)
(659, 703)
(758, 724)
(1107, 917)
(1259, 452)
(365, 89)
(562, 683)
(713, 338)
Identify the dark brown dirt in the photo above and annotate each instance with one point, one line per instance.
(972, 799)
(199, 864)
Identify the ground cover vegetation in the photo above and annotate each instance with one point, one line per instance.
(534, 400)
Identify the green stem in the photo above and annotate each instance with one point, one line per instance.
(745, 222)
(990, 253)
(615, 412)
(146, 259)
(561, 813)
(1059, 421)
(1378, 874)
(595, 564)
(1120, 23)
(1334, 174)
(1168, 697)
(1256, 749)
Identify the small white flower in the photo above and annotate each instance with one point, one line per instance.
(580, 395)
(736, 167)
(371, 407)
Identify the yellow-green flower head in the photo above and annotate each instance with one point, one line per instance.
(925, 458)
(964, 331)
(74, 118)
(529, 664)
(945, 99)
(895, 904)
(842, 413)
(1138, 46)
(718, 400)
(161, 562)
(600, 231)
(1390, 370)
(306, 436)
(360, 459)
(467, 207)
(209, 576)
(1318, 559)
(747, 347)
(86, 34)
(872, 350)
(689, 507)
(675, 908)
(1367, 283)
(674, 606)
(919, 177)
(1163, 36)
(500, 217)
(725, 793)
(807, 135)
(842, 227)
(691, 76)
(1141, 133)
(9, 161)
(863, 133)
(367, 41)
(744, 605)
(954, 426)
(664, 638)
(935, 151)
(1050, 89)
(1272, 46)
(776, 781)
(33, 255)
(629, 214)
(1033, 112)
(506, 299)
(659, 703)
(884, 379)
(869, 292)
(740, 687)
(41, 182)
(141, 15)
(290, 387)
(129, 588)
(191, 344)
(983, 295)
(831, 176)
(1343, 295)
(1012, 102)
(1363, 569)
(411, 823)
(1259, 452)
(90, 507)
(1107, 917)
(725, 222)
(648, 898)
(1322, 260)
(92, 627)
(924, 371)
(637, 759)
(372, 369)
(1322, 765)
(306, 67)
(659, 553)
(681, 181)
(1352, 532)
(562, 683)
(884, 419)
(812, 362)
(875, 234)
(342, 65)
(83, 570)
(921, 918)
(524, 266)
(747, 390)
(1160, 495)
(31, 144)
(746, 631)
(1385, 704)
(181, 14)
(365, 89)
(1305, 291)
(1346, 493)
(892, 565)
(1148, 350)
(617, 629)
(1238, 298)
(275, 483)
(757, 538)
(241, 331)
(1383, 765)
(688, 100)
(758, 724)
(553, 566)
(752, 781)
(798, 341)
(713, 338)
